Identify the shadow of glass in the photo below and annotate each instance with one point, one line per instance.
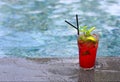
(86, 76)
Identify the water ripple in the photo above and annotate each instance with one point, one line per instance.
(36, 28)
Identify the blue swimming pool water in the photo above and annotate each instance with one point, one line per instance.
(36, 28)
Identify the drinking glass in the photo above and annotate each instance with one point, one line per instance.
(87, 51)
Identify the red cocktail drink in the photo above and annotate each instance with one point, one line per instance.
(87, 45)
(87, 50)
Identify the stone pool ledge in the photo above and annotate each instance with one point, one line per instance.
(58, 70)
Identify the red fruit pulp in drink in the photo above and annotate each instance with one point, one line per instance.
(87, 53)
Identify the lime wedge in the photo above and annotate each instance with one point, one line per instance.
(91, 38)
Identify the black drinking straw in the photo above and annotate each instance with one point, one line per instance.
(77, 24)
(77, 28)
(71, 24)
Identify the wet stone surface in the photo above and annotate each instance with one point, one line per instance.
(58, 70)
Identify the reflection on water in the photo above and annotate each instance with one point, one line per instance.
(36, 28)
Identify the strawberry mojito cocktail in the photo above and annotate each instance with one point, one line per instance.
(87, 45)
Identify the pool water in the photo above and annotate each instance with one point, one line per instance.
(36, 28)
